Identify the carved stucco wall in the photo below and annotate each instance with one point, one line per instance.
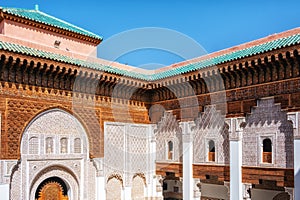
(267, 120)
(72, 166)
(168, 130)
(127, 151)
(210, 125)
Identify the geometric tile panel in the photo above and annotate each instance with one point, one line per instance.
(127, 151)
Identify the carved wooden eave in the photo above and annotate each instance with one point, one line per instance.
(17, 64)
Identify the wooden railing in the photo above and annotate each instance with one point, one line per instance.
(211, 156)
(267, 157)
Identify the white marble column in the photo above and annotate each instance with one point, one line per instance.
(127, 193)
(6, 167)
(297, 168)
(151, 188)
(4, 191)
(187, 153)
(235, 138)
(100, 188)
(294, 118)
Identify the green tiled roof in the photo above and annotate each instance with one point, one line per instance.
(38, 16)
(254, 50)
(251, 51)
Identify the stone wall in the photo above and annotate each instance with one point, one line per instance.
(210, 125)
(267, 120)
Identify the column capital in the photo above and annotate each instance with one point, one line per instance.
(187, 133)
(235, 127)
(290, 191)
(7, 166)
(98, 164)
(293, 117)
(159, 185)
(247, 191)
(152, 130)
(197, 188)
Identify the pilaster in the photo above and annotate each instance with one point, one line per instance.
(294, 118)
(100, 179)
(6, 168)
(127, 193)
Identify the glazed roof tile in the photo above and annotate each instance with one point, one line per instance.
(227, 57)
(40, 17)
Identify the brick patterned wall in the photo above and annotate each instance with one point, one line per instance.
(19, 104)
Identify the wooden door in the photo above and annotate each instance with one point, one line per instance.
(52, 191)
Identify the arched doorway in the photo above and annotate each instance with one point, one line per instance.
(172, 187)
(54, 144)
(52, 188)
(114, 188)
(138, 187)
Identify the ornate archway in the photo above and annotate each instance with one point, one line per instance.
(114, 188)
(138, 187)
(54, 144)
(64, 177)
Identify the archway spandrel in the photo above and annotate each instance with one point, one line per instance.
(21, 112)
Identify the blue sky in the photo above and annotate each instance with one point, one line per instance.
(215, 25)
